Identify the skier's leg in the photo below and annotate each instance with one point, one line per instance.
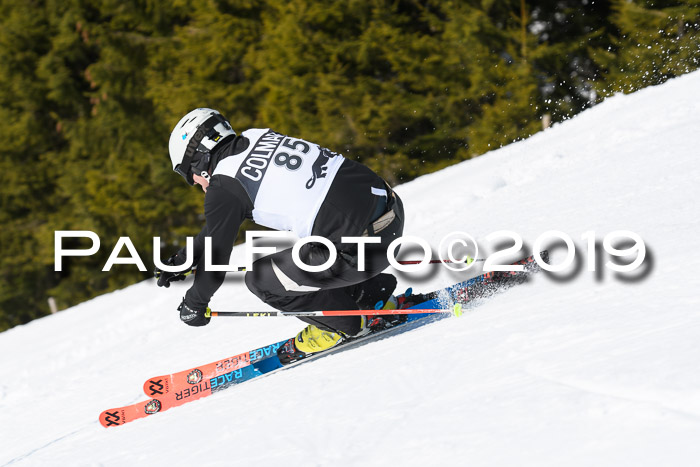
(280, 283)
(374, 210)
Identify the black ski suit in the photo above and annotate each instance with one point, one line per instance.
(351, 208)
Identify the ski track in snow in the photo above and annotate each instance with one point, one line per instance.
(591, 370)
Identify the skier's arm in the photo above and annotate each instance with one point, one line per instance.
(197, 247)
(226, 205)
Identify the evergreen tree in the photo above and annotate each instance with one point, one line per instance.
(657, 40)
(90, 90)
(27, 161)
(569, 35)
(498, 86)
(360, 77)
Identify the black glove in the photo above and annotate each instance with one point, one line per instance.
(193, 317)
(165, 278)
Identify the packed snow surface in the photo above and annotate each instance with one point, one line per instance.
(574, 368)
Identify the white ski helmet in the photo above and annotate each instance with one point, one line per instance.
(193, 139)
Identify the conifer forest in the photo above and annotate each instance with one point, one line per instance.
(91, 89)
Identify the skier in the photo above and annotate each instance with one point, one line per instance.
(287, 183)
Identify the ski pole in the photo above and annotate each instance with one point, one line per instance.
(432, 261)
(456, 310)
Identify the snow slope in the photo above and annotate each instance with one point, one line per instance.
(591, 369)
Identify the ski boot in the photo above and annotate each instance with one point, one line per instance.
(309, 341)
(395, 302)
(312, 340)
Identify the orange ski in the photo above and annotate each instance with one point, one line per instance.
(178, 394)
(176, 389)
(159, 386)
(122, 415)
